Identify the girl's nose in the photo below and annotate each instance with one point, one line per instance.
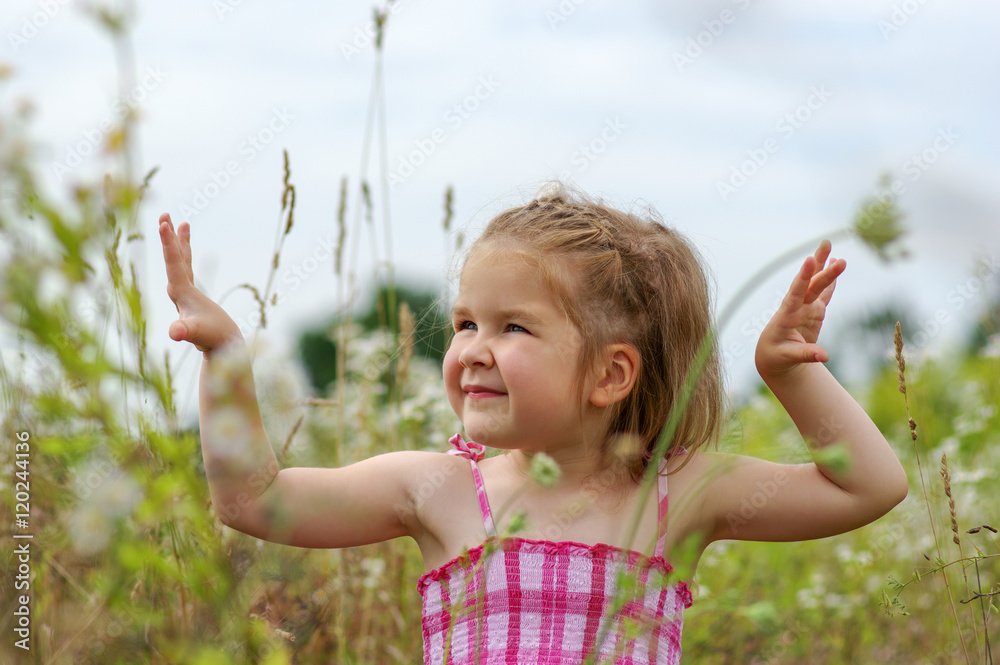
(476, 353)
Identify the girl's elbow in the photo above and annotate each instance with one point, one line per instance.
(896, 489)
(904, 489)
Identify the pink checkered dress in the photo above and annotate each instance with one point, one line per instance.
(537, 602)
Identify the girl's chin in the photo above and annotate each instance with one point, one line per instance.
(489, 439)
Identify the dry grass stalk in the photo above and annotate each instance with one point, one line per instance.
(946, 475)
(315, 401)
(951, 501)
(901, 379)
(291, 435)
(287, 200)
(901, 363)
(407, 324)
(449, 210)
(341, 227)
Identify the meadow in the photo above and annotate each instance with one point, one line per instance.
(127, 562)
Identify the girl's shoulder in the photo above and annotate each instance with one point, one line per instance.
(443, 506)
(431, 475)
(691, 481)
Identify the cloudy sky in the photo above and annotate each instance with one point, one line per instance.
(751, 125)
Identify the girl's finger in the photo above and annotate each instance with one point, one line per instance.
(800, 285)
(178, 331)
(814, 353)
(176, 272)
(184, 233)
(822, 253)
(805, 353)
(824, 282)
(828, 291)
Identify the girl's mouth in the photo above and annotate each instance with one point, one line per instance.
(481, 392)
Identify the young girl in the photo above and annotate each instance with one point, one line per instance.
(575, 327)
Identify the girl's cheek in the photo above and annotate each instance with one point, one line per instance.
(452, 370)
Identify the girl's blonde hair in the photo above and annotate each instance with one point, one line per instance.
(629, 280)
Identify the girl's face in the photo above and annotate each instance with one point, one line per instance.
(511, 371)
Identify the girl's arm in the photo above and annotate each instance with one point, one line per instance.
(367, 502)
(752, 499)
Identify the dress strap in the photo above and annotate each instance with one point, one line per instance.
(475, 451)
(661, 483)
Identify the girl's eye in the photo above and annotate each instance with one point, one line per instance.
(516, 328)
(465, 325)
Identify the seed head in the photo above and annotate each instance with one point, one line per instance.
(878, 225)
(449, 211)
(951, 500)
(898, 340)
(518, 522)
(544, 470)
(407, 324)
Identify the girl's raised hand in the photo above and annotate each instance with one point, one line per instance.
(789, 339)
(202, 322)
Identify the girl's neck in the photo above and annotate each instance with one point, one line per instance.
(579, 468)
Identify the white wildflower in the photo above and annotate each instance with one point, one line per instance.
(808, 598)
(228, 434)
(228, 368)
(949, 446)
(844, 553)
(90, 528)
(373, 569)
(281, 383)
(972, 476)
(544, 470)
(967, 423)
(992, 348)
(119, 495)
(837, 600)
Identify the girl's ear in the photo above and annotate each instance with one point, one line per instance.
(616, 374)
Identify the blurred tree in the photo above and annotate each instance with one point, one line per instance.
(987, 322)
(870, 333)
(861, 346)
(318, 346)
